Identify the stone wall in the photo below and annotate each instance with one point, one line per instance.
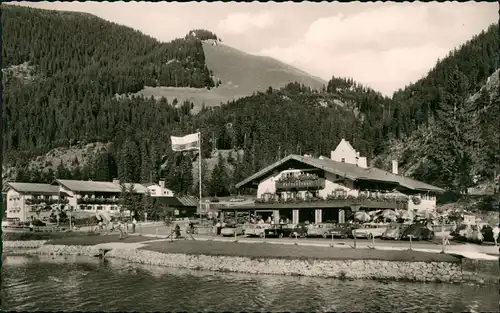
(476, 271)
(350, 269)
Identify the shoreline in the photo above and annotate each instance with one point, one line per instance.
(462, 271)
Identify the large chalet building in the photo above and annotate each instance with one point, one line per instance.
(304, 188)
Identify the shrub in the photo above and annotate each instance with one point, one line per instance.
(38, 223)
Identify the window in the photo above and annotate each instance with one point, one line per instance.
(342, 160)
(99, 207)
(153, 191)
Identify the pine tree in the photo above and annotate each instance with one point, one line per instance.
(447, 151)
(218, 179)
(102, 167)
(62, 171)
(130, 167)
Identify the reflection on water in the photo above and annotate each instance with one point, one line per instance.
(34, 283)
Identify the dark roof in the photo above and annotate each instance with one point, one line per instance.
(482, 190)
(188, 201)
(30, 188)
(346, 170)
(184, 201)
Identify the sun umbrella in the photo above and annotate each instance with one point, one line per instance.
(362, 216)
(373, 213)
(407, 215)
(389, 214)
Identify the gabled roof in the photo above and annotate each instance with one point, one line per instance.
(137, 187)
(89, 186)
(482, 190)
(30, 188)
(346, 170)
(97, 186)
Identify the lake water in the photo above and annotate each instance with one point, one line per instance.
(35, 283)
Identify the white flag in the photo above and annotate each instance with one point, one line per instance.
(186, 143)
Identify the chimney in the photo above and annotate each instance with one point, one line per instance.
(116, 181)
(395, 167)
(362, 162)
(162, 182)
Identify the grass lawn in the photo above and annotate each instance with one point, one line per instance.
(26, 236)
(94, 240)
(263, 250)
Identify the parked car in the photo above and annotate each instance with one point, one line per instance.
(394, 231)
(370, 230)
(342, 230)
(487, 232)
(299, 230)
(232, 230)
(255, 230)
(275, 231)
(320, 230)
(285, 230)
(418, 231)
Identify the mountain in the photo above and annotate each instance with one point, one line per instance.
(238, 74)
(63, 72)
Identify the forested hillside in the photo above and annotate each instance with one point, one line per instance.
(76, 64)
(446, 124)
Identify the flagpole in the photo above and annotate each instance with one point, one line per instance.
(199, 167)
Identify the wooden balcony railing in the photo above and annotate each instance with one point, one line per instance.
(46, 201)
(91, 201)
(298, 184)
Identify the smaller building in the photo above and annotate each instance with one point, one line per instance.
(26, 201)
(159, 190)
(178, 207)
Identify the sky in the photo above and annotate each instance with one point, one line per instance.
(383, 45)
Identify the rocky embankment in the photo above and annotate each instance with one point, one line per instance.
(451, 272)
(349, 269)
(27, 244)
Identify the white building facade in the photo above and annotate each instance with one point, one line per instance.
(315, 186)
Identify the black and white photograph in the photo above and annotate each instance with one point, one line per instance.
(250, 156)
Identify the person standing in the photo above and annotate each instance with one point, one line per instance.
(218, 226)
(190, 231)
(134, 223)
(177, 231)
(496, 232)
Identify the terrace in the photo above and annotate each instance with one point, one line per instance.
(336, 200)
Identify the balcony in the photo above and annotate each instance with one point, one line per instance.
(46, 201)
(300, 183)
(101, 201)
(333, 201)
